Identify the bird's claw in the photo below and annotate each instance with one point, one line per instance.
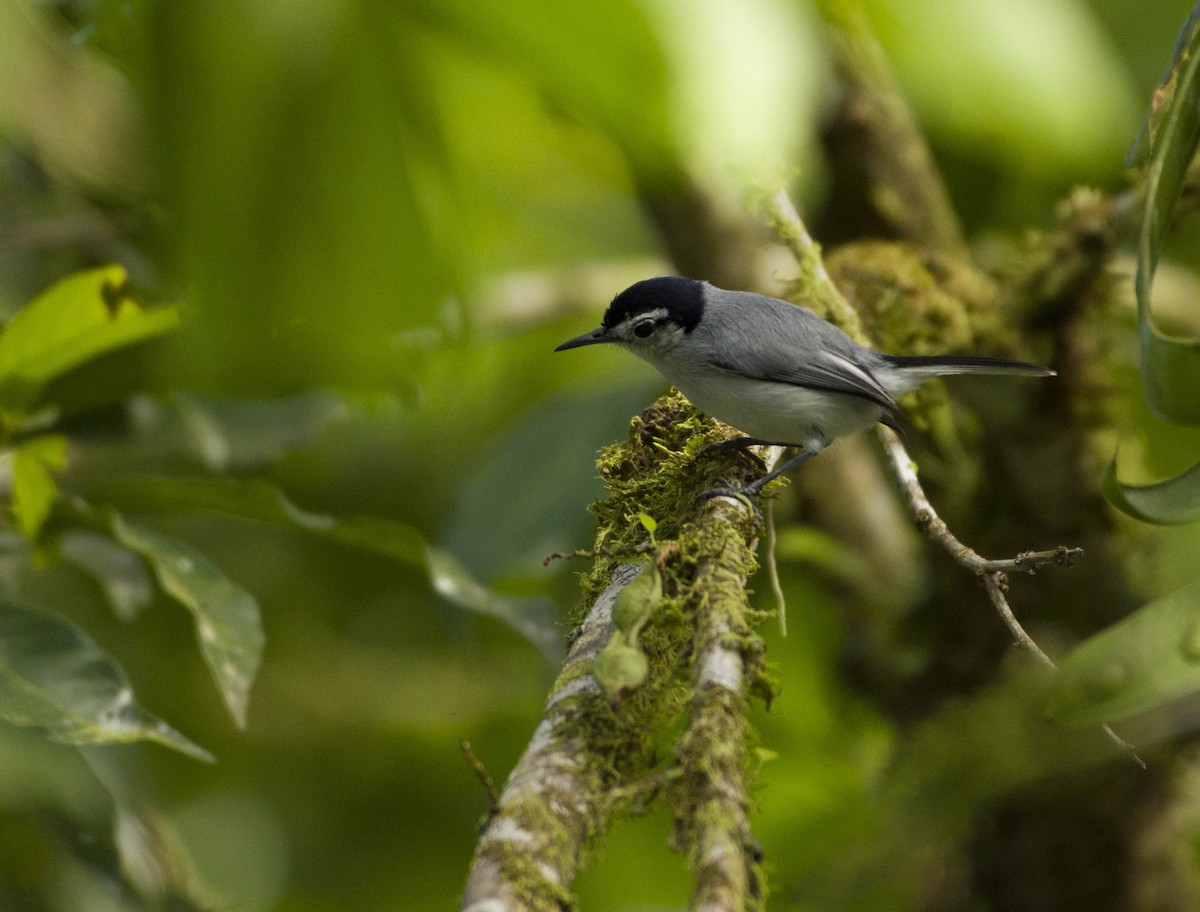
(724, 489)
(730, 446)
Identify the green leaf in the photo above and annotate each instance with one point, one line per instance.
(620, 667)
(227, 617)
(551, 437)
(33, 489)
(1143, 661)
(599, 61)
(120, 574)
(1171, 502)
(75, 320)
(636, 603)
(533, 618)
(1170, 365)
(236, 434)
(261, 501)
(53, 677)
(49, 449)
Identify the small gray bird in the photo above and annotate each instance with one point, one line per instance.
(774, 371)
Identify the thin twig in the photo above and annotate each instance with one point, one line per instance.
(482, 775)
(773, 568)
(820, 294)
(1029, 561)
(990, 572)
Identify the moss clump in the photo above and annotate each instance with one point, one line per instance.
(656, 472)
(916, 302)
(921, 302)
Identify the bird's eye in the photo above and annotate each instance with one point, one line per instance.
(643, 329)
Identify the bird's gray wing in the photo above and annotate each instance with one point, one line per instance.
(768, 339)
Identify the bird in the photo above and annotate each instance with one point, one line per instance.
(778, 373)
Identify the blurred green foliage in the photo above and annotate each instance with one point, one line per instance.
(375, 221)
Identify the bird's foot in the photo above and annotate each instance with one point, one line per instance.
(734, 444)
(743, 494)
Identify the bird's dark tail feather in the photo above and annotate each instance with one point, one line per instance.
(939, 365)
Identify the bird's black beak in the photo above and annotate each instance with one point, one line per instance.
(595, 337)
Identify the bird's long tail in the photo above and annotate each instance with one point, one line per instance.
(903, 373)
(939, 366)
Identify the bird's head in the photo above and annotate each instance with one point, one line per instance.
(650, 317)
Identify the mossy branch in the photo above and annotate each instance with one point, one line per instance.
(553, 802)
(712, 823)
(990, 572)
(596, 743)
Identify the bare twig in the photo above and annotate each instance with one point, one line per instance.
(481, 773)
(1029, 561)
(990, 572)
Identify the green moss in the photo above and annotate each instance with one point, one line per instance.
(655, 471)
(918, 302)
(523, 869)
(702, 558)
(915, 302)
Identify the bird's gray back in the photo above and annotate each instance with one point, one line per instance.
(764, 338)
(768, 337)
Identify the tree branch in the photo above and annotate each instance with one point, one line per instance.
(990, 572)
(593, 753)
(528, 852)
(712, 823)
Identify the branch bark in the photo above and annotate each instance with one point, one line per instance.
(530, 849)
(712, 821)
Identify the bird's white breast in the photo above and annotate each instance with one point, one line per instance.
(770, 411)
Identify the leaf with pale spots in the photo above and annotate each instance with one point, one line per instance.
(120, 574)
(262, 501)
(227, 618)
(54, 678)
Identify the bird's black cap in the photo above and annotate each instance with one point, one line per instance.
(682, 298)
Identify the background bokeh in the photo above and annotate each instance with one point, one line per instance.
(405, 206)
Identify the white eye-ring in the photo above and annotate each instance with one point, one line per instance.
(643, 328)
